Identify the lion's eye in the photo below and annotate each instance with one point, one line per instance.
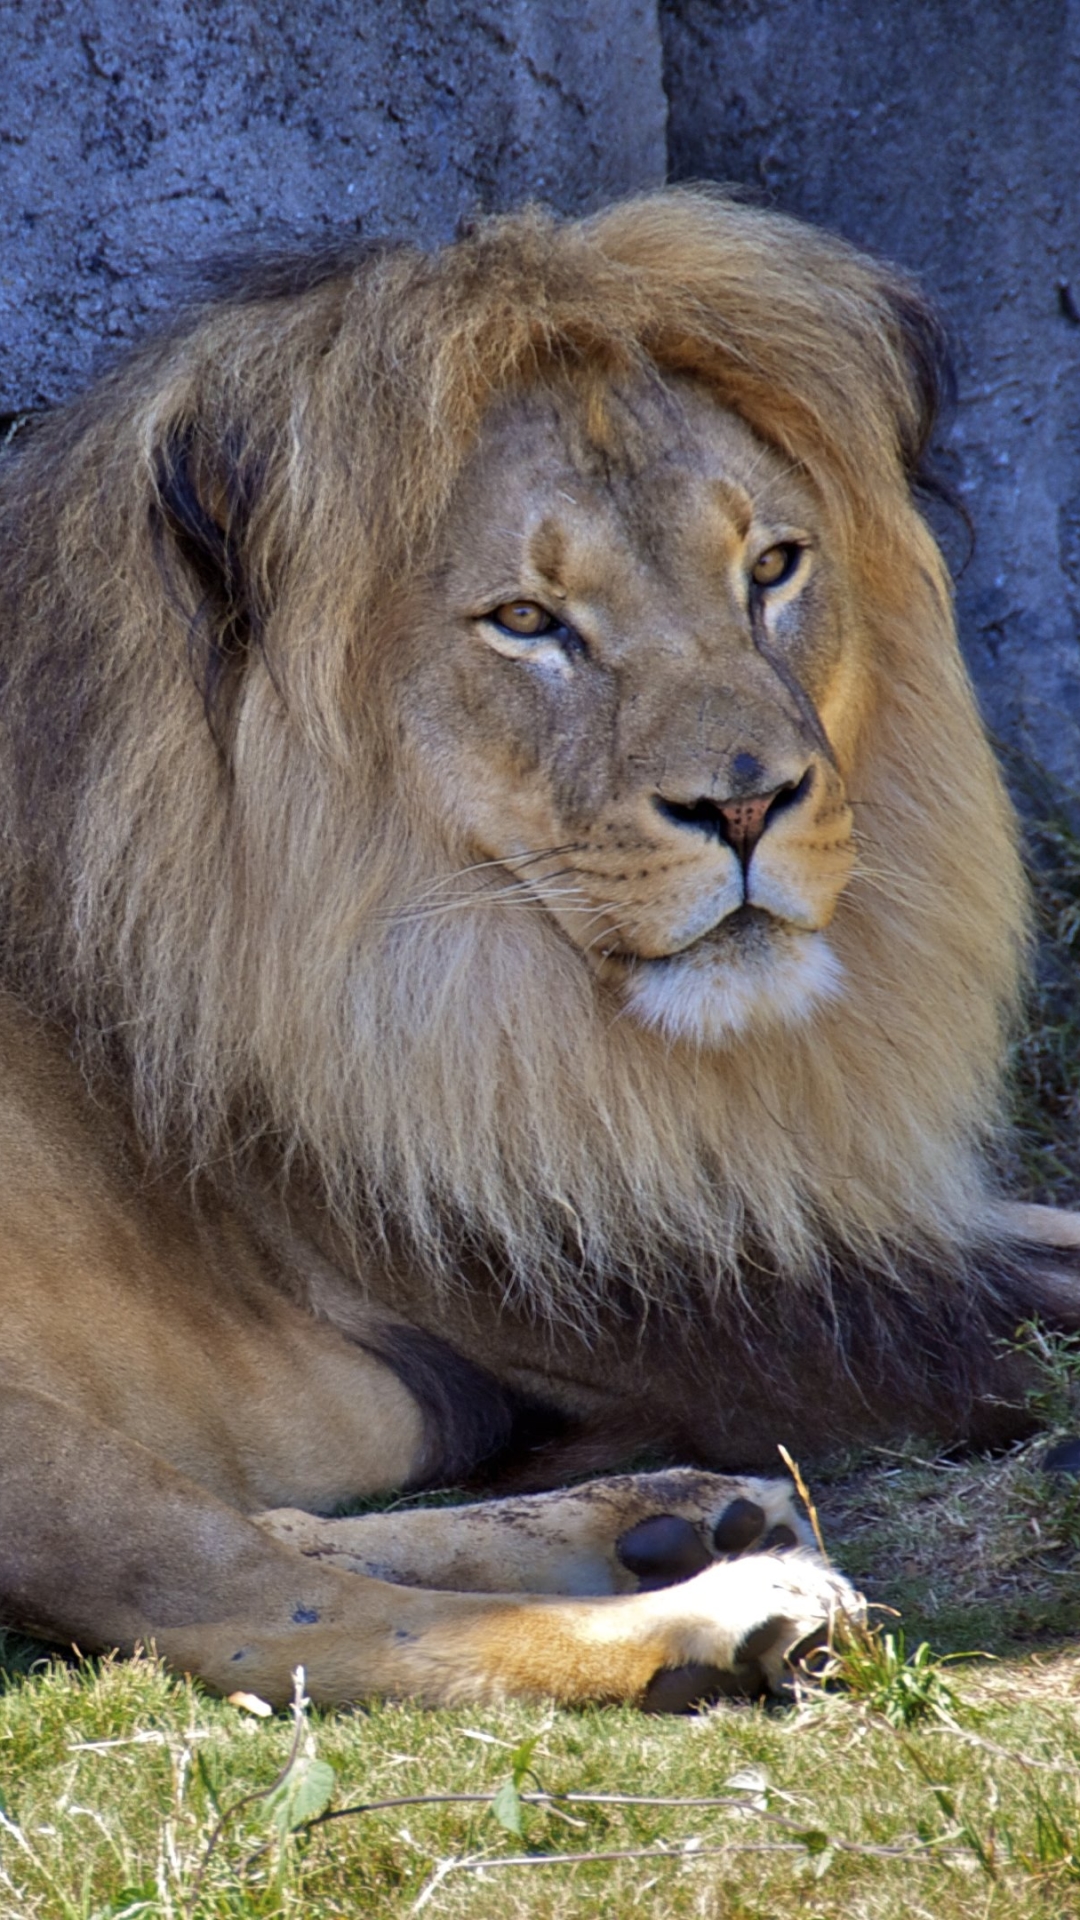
(524, 618)
(776, 564)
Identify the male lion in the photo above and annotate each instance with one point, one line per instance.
(510, 922)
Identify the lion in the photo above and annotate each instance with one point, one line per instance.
(511, 930)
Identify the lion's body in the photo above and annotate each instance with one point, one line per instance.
(511, 925)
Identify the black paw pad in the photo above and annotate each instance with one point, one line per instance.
(1064, 1457)
(681, 1689)
(761, 1640)
(780, 1536)
(662, 1551)
(738, 1527)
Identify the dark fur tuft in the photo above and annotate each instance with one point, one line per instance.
(209, 545)
(470, 1420)
(932, 373)
(287, 273)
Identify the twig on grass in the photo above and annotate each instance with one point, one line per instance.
(812, 1846)
(810, 1841)
(542, 1798)
(149, 1737)
(554, 1802)
(904, 1458)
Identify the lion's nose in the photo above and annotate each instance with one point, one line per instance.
(740, 821)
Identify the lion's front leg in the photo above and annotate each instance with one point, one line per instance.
(627, 1534)
(104, 1543)
(733, 1629)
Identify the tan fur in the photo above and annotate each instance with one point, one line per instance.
(338, 980)
(561, 1542)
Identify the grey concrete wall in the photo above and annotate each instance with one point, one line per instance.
(139, 135)
(946, 134)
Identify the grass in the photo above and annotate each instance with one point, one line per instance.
(1044, 1161)
(115, 1777)
(927, 1787)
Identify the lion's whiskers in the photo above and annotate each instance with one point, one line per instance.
(528, 895)
(508, 863)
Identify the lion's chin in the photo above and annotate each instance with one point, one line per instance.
(716, 992)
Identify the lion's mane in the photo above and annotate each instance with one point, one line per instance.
(216, 873)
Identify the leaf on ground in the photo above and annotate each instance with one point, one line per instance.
(304, 1793)
(507, 1808)
(521, 1759)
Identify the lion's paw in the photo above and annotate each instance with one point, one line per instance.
(712, 1518)
(739, 1626)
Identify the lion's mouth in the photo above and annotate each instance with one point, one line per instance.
(746, 932)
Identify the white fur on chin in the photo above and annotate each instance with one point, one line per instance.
(710, 998)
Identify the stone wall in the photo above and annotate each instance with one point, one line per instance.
(139, 136)
(945, 134)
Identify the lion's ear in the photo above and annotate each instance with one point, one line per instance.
(203, 502)
(931, 381)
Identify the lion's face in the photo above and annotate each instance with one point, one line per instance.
(507, 888)
(635, 679)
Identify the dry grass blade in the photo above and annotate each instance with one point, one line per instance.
(804, 1495)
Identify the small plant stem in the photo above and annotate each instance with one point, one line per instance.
(257, 1793)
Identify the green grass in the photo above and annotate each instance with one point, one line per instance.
(929, 1787)
(115, 1777)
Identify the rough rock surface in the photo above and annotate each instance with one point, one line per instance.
(138, 138)
(945, 134)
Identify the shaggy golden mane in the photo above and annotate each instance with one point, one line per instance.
(218, 873)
